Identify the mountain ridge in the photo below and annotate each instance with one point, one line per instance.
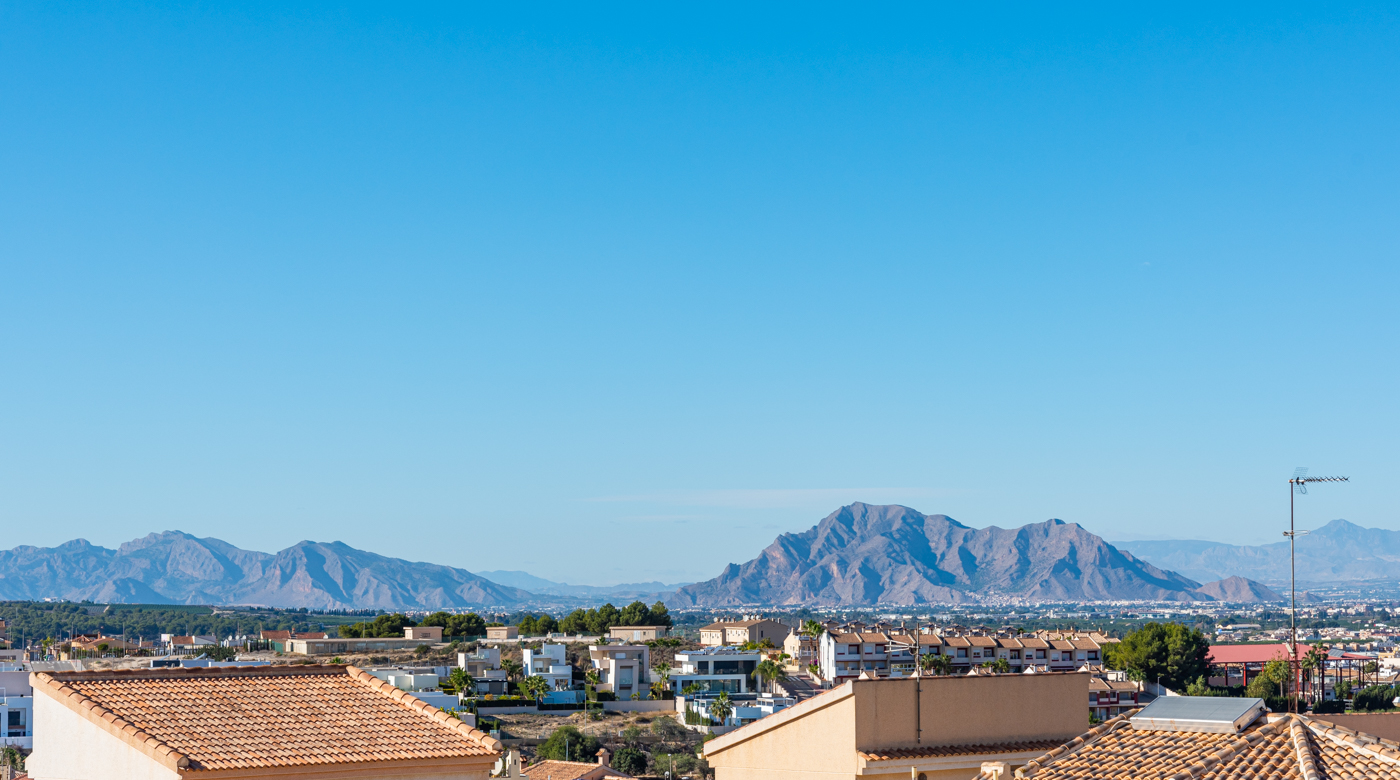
(865, 554)
(1339, 551)
(174, 567)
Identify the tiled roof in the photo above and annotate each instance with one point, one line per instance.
(873, 638)
(943, 751)
(981, 641)
(261, 717)
(1290, 747)
(1034, 642)
(568, 770)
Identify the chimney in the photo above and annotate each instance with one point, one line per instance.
(995, 770)
(603, 756)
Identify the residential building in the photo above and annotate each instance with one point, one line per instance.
(342, 644)
(801, 649)
(843, 655)
(423, 633)
(1110, 698)
(1217, 738)
(746, 707)
(16, 706)
(930, 728)
(738, 632)
(715, 669)
(312, 723)
(501, 633)
(550, 662)
(279, 639)
(639, 633)
(484, 665)
(422, 682)
(622, 669)
(575, 770)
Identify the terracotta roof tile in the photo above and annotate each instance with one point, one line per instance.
(1290, 748)
(253, 717)
(568, 770)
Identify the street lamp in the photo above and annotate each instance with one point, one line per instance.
(1296, 486)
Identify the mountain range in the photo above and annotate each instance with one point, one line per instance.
(1337, 552)
(175, 567)
(629, 590)
(864, 554)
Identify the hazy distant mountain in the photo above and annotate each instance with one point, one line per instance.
(1338, 551)
(1238, 589)
(528, 581)
(175, 567)
(863, 554)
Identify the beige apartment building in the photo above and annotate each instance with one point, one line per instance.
(249, 723)
(639, 633)
(924, 728)
(750, 629)
(502, 633)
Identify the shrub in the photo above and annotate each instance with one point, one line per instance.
(568, 741)
(1374, 697)
(630, 760)
(1325, 707)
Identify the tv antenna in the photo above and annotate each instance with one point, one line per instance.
(1297, 486)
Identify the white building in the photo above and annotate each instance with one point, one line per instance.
(716, 669)
(16, 706)
(745, 708)
(484, 665)
(550, 663)
(622, 669)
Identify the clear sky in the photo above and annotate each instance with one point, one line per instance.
(615, 294)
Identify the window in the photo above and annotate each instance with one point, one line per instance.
(855, 649)
(1093, 655)
(1016, 654)
(1040, 654)
(962, 652)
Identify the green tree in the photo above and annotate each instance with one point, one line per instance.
(660, 678)
(1170, 652)
(634, 614)
(511, 668)
(575, 622)
(721, 708)
(658, 615)
(769, 671)
(812, 628)
(567, 742)
(631, 760)
(534, 687)
(1269, 682)
(463, 682)
(941, 665)
(1000, 666)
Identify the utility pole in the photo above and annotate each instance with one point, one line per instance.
(1297, 485)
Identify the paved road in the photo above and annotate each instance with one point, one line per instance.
(800, 687)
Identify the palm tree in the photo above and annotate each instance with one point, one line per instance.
(770, 671)
(511, 668)
(721, 708)
(534, 687)
(1314, 661)
(812, 628)
(691, 689)
(662, 675)
(462, 681)
(938, 664)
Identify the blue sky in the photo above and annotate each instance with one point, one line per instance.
(615, 293)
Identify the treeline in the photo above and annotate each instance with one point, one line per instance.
(596, 621)
(393, 625)
(34, 621)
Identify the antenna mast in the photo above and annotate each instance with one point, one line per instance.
(1298, 485)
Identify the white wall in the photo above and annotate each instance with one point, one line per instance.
(68, 746)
